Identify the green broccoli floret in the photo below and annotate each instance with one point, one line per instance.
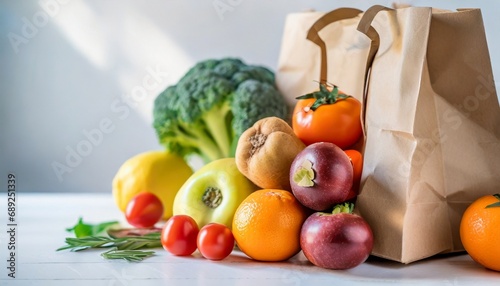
(212, 104)
(254, 99)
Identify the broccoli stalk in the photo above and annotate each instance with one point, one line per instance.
(209, 137)
(195, 139)
(215, 121)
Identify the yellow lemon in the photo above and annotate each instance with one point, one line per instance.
(157, 172)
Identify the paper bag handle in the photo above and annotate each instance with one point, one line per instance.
(365, 27)
(325, 20)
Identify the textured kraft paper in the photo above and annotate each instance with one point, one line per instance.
(322, 47)
(432, 128)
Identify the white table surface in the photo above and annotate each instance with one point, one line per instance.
(42, 219)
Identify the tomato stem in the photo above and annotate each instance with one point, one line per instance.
(324, 96)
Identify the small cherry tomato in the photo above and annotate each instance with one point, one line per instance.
(357, 165)
(178, 235)
(144, 210)
(327, 116)
(215, 241)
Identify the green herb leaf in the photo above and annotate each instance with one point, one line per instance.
(151, 240)
(304, 175)
(494, 205)
(129, 255)
(82, 229)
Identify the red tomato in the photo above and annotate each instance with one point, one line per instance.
(357, 164)
(178, 235)
(144, 210)
(215, 241)
(327, 116)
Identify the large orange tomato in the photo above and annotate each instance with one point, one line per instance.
(327, 116)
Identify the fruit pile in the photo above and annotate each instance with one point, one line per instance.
(289, 187)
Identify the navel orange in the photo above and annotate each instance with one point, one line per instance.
(266, 225)
(480, 231)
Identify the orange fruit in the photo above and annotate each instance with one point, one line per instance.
(480, 231)
(266, 225)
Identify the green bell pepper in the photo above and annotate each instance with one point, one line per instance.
(213, 193)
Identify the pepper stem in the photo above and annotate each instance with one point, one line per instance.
(324, 96)
(212, 197)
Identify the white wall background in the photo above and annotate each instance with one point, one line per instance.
(79, 63)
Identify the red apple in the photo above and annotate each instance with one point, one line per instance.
(336, 241)
(321, 176)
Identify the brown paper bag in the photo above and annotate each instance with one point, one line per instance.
(326, 47)
(432, 125)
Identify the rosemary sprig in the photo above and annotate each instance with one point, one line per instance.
(129, 255)
(123, 243)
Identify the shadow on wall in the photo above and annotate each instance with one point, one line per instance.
(80, 88)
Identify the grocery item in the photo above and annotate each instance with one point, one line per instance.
(212, 104)
(480, 231)
(267, 224)
(144, 210)
(337, 240)
(178, 235)
(213, 193)
(158, 172)
(327, 116)
(321, 176)
(265, 153)
(215, 241)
